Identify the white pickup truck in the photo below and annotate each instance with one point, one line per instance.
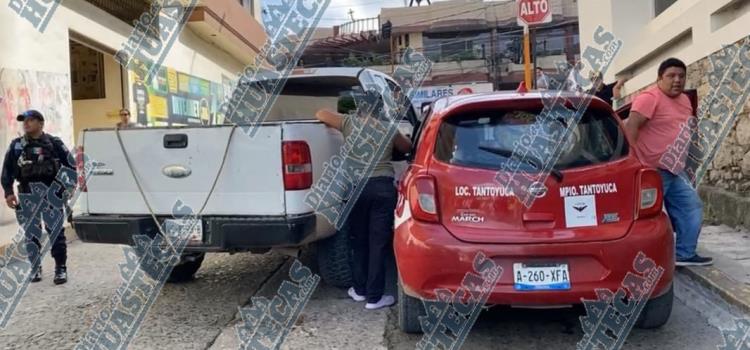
(258, 201)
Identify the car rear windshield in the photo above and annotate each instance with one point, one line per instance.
(302, 97)
(489, 139)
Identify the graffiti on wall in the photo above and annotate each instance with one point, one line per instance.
(48, 93)
(176, 98)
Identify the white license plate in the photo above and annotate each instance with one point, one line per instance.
(174, 227)
(541, 277)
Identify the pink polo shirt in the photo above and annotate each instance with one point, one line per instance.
(666, 117)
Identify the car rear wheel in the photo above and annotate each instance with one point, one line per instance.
(186, 269)
(334, 259)
(657, 311)
(409, 310)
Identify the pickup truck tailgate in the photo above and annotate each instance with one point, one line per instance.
(181, 163)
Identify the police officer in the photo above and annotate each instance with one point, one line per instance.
(36, 157)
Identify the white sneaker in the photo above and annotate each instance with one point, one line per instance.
(385, 301)
(353, 294)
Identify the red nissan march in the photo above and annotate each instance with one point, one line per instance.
(592, 216)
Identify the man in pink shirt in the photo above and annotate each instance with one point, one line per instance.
(656, 118)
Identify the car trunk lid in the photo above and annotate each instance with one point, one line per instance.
(594, 200)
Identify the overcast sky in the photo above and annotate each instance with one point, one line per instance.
(338, 11)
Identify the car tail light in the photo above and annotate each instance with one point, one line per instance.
(81, 169)
(650, 194)
(423, 199)
(297, 165)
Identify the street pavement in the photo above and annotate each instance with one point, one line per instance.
(202, 314)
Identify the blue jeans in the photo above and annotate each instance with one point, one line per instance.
(685, 210)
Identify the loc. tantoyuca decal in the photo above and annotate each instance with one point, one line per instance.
(483, 191)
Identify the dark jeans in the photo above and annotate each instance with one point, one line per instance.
(33, 245)
(371, 229)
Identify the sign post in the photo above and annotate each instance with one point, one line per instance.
(527, 57)
(529, 13)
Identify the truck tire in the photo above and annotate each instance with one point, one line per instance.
(657, 311)
(186, 269)
(334, 259)
(409, 310)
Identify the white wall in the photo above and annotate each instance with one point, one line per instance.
(26, 50)
(689, 30)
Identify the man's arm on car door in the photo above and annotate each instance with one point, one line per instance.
(633, 125)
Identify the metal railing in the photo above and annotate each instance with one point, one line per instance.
(358, 26)
(125, 10)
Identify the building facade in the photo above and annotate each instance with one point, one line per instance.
(480, 41)
(469, 41)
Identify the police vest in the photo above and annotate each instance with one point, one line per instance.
(37, 162)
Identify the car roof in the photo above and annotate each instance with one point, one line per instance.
(351, 72)
(446, 104)
(300, 73)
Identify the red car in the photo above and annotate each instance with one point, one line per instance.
(597, 210)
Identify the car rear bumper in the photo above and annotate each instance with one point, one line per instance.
(429, 257)
(219, 233)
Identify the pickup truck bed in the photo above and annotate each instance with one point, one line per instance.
(258, 201)
(250, 207)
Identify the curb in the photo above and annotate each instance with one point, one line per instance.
(735, 293)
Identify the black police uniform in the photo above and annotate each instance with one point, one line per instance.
(34, 166)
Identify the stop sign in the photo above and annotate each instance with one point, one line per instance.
(531, 12)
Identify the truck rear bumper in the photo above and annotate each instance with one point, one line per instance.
(219, 233)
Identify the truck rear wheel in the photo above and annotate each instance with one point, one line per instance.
(334, 259)
(657, 311)
(409, 310)
(186, 269)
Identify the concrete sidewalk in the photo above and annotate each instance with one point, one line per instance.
(730, 275)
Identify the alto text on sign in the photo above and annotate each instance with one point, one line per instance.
(532, 12)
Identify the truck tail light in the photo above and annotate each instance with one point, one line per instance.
(650, 194)
(297, 165)
(423, 199)
(81, 169)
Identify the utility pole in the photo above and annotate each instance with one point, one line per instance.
(527, 57)
(393, 55)
(493, 58)
(533, 57)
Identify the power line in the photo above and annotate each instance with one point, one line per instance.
(477, 40)
(488, 40)
(483, 8)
